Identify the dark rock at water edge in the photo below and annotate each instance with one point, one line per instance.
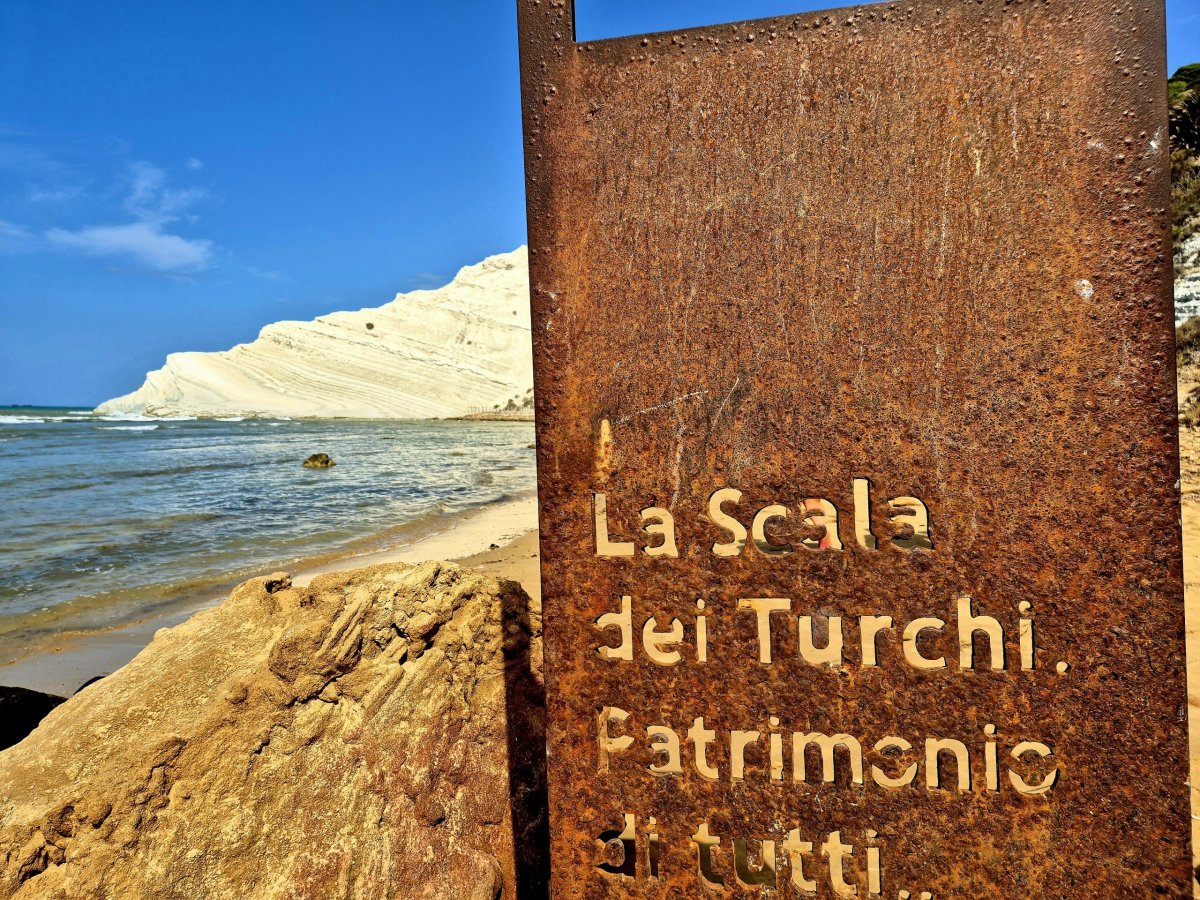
(20, 712)
(319, 461)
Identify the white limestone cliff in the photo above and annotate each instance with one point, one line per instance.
(1187, 280)
(426, 354)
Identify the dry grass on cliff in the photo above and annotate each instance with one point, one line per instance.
(1184, 89)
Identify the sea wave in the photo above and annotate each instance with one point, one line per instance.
(43, 419)
(114, 526)
(138, 417)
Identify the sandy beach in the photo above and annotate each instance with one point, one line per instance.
(499, 539)
(1189, 452)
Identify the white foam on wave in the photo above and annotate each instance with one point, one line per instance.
(128, 427)
(138, 417)
(22, 420)
(231, 419)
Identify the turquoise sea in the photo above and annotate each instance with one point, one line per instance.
(108, 519)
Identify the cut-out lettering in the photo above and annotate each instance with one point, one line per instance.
(738, 742)
(737, 531)
(623, 622)
(828, 745)
(605, 545)
(796, 850)
(829, 655)
(912, 649)
(968, 625)
(623, 844)
(653, 848)
(862, 514)
(913, 513)
(775, 743)
(933, 755)
(1022, 786)
(667, 744)
(820, 513)
(762, 608)
(882, 746)
(706, 845)
(837, 853)
(701, 737)
(654, 641)
(870, 627)
(758, 530)
(747, 875)
(607, 744)
(874, 866)
(657, 522)
(1027, 639)
(991, 760)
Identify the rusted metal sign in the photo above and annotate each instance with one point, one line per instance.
(857, 454)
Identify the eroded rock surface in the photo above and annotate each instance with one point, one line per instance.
(350, 739)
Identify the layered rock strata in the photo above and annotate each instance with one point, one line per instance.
(377, 734)
(427, 354)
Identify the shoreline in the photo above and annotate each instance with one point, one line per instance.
(499, 539)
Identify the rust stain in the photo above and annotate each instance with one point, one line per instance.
(921, 244)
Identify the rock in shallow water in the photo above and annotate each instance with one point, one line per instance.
(352, 739)
(319, 461)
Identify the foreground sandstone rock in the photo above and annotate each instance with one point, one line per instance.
(351, 739)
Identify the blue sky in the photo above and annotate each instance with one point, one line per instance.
(173, 176)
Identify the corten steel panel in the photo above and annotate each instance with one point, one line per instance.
(923, 244)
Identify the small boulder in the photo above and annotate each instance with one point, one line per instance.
(20, 712)
(319, 461)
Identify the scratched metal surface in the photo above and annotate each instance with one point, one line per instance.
(789, 253)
